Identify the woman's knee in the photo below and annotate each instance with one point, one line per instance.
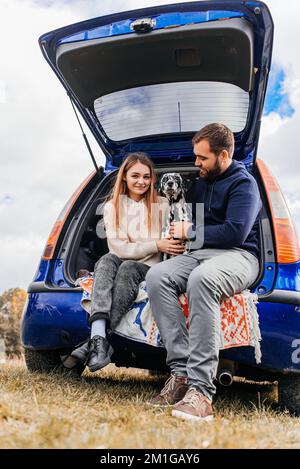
(131, 268)
(129, 265)
(108, 259)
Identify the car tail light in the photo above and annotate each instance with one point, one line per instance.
(287, 246)
(56, 230)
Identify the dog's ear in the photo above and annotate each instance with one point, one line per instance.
(183, 185)
(161, 180)
(157, 185)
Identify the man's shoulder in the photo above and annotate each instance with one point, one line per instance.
(242, 175)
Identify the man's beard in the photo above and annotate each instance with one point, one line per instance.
(213, 173)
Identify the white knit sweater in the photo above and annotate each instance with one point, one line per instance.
(132, 240)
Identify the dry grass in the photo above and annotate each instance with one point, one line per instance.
(107, 410)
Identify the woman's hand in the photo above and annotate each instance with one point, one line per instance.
(170, 246)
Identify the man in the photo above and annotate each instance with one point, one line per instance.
(227, 263)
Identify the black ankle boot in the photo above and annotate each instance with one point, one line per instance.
(81, 353)
(100, 353)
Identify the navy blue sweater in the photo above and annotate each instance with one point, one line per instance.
(231, 207)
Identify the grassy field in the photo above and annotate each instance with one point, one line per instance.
(107, 410)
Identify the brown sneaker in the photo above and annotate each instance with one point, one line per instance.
(173, 391)
(194, 406)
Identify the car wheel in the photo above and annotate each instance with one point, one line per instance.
(49, 361)
(158, 372)
(289, 393)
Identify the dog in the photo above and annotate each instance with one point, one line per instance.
(172, 187)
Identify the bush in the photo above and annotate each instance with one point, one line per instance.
(11, 306)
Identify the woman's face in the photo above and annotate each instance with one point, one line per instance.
(138, 180)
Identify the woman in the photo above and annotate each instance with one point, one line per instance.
(133, 220)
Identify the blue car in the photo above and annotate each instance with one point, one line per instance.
(147, 80)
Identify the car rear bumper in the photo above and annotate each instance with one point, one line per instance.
(280, 344)
(289, 297)
(55, 319)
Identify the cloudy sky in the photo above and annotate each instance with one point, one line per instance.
(43, 157)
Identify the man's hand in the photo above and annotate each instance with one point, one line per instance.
(179, 229)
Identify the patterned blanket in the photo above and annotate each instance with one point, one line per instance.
(238, 317)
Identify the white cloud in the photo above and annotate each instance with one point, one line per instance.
(278, 144)
(2, 92)
(43, 157)
(20, 258)
(271, 124)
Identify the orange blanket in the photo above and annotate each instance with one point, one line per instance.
(238, 317)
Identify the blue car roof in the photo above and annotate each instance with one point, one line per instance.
(85, 56)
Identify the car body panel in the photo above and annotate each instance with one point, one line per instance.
(163, 20)
(54, 321)
(288, 277)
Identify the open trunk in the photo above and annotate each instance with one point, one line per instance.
(147, 80)
(85, 247)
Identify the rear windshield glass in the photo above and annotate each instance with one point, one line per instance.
(171, 108)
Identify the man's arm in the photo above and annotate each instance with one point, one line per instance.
(243, 207)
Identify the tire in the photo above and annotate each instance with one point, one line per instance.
(49, 361)
(158, 372)
(289, 393)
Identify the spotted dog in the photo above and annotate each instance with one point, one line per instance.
(172, 187)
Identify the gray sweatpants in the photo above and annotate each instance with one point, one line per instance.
(205, 275)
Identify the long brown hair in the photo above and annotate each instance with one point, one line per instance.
(120, 186)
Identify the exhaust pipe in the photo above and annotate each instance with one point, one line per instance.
(226, 371)
(225, 378)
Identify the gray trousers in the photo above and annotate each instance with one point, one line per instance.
(205, 275)
(115, 287)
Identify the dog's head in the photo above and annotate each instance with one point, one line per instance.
(171, 185)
